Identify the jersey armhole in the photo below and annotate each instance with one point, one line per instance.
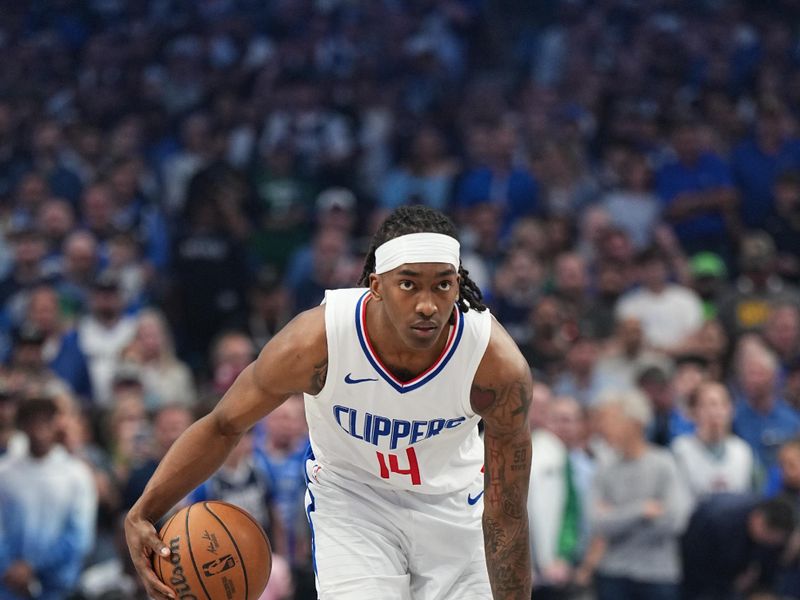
(483, 331)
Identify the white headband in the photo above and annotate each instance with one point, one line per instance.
(417, 248)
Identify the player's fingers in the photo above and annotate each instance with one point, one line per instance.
(156, 589)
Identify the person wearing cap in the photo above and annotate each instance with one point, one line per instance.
(104, 333)
(746, 306)
(424, 358)
(708, 273)
(654, 379)
(43, 557)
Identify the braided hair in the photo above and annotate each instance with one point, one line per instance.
(422, 219)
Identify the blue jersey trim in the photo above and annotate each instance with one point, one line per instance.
(311, 508)
(403, 388)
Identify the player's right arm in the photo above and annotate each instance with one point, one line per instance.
(294, 361)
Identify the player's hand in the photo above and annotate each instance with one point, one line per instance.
(143, 543)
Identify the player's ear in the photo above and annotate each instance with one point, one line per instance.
(375, 286)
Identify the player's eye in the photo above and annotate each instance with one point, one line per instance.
(445, 285)
(406, 285)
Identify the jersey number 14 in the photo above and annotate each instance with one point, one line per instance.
(393, 465)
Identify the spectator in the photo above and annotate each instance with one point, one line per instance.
(746, 306)
(166, 379)
(789, 461)
(549, 342)
(633, 207)
(269, 307)
(28, 249)
(762, 418)
(281, 457)
(517, 285)
(669, 420)
(104, 333)
(758, 161)
(12, 441)
(500, 180)
(80, 262)
(61, 350)
(712, 460)
(668, 312)
(784, 225)
(624, 356)
(698, 193)
(425, 174)
(567, 419)
(210, 266)
(169, 422)
(547, 500)
(732, 545)
(285, 205)
(239, 482)
(571, 287)
(231, 352)
(638, 506)
(576, 380)
(27, 367)
(782, 333)
(43, 557)
(708, 273)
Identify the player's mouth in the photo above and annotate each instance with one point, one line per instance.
(425, 329)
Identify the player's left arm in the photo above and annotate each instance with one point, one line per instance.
(501, 395)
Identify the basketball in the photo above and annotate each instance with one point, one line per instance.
(217, 552)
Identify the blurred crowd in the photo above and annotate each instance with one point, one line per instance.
(178, 178)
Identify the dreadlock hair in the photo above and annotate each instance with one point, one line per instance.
(422, 219)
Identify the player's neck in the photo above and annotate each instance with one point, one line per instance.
(405, 362)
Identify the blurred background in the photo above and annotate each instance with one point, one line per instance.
(178, 178)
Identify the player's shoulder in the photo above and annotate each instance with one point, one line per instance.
(502, 360)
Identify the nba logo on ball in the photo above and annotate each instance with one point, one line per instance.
(217, 551)
(219, 565)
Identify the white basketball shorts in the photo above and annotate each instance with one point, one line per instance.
(373, 543)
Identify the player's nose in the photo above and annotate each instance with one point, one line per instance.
(426, 307)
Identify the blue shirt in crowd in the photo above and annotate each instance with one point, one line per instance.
(765, 432)
(755, 172)
(709, 172)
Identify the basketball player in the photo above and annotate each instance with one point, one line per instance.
(396, 377)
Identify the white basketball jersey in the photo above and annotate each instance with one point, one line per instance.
(418, 435)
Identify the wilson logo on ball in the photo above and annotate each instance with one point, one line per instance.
(178, 578)
(219, 565)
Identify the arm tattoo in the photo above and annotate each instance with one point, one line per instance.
(506, 472)
(318, 377)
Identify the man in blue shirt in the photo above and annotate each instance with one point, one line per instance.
(697, 190)
(759, 160)
(762, 419)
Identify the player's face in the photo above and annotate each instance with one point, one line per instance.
(419, 299)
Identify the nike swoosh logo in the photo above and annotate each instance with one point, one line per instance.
(348, 379)
(471, 500)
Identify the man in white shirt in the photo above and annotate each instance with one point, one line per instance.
(669, 313)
